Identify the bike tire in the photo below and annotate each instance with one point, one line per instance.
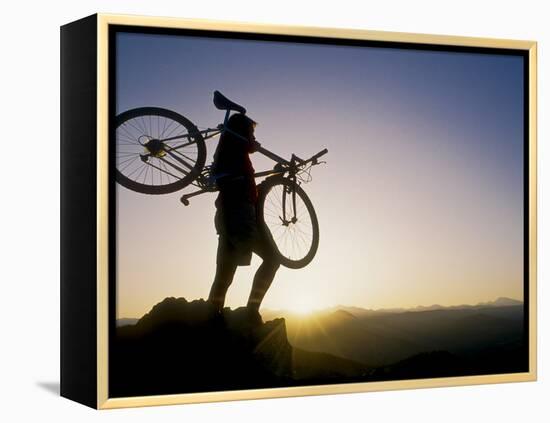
(127, 127)
(285, 249)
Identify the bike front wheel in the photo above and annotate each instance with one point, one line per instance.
(287, 214)
(158, 151)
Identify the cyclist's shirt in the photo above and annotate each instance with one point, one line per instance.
(235, 219)
(234, 173)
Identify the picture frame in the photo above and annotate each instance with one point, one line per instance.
(92, 103)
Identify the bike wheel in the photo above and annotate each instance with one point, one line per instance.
(294, 233)
(157, 151)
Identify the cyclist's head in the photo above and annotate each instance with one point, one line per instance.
(241, 124)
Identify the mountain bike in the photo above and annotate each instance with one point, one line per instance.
(159, 151)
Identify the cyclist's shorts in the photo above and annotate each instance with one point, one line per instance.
(239, 235)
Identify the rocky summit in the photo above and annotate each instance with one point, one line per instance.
(182, 346)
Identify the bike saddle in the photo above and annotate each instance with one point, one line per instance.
(223, 103)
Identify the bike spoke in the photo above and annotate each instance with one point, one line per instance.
(172, 130)
(124, 128)
(128, 164)
(162, 165)
(142, 126)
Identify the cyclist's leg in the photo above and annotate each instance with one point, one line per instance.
(226, 265)
(265, 274)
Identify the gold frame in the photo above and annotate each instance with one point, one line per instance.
(104, 20)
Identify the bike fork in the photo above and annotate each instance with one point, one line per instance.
(293, 193)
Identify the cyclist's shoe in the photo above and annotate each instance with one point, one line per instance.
(245, 319)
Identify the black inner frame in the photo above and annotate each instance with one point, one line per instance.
(112, 54)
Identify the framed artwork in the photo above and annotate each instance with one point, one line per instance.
(254, 211)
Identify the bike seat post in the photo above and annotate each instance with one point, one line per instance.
(226, 118)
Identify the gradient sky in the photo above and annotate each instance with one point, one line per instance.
(421, 201)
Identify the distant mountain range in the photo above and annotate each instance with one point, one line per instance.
(358, 311)
(382, 338)
(181, 346)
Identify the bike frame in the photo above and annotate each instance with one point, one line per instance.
(213, 132)
(283, 166)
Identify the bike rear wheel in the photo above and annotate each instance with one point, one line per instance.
(158, 151)
(286, 212)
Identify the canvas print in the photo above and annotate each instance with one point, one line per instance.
(295, 212)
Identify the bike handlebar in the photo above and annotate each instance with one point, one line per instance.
(280, 160)
(316, 156)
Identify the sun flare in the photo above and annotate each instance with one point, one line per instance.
(302, 304)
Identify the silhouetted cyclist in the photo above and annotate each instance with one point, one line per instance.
(238, 232)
